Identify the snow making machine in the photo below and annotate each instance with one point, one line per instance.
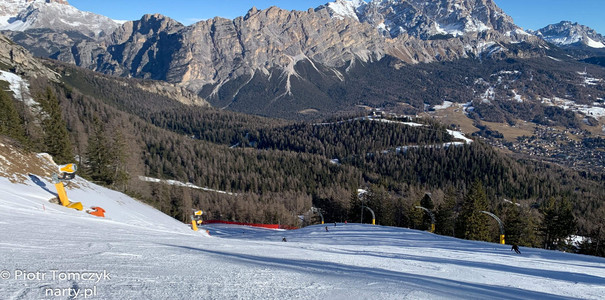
(196, 219)
(66, 173)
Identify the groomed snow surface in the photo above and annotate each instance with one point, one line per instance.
(51, 252)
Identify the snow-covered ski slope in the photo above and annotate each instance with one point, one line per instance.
(51, 252)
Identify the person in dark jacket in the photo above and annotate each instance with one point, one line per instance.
(516, 249)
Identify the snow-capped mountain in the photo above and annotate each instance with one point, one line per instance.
(346, 8)
(58, 15)
(566, 33)
(426, 19)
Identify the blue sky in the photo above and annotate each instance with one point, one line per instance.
(529, 14)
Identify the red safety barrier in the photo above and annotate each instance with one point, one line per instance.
(268, 226)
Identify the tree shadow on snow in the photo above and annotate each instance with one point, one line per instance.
(548, 274)
(35, 179)
(437, 286)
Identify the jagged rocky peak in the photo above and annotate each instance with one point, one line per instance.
(217, 50)
(567, 33)
(427, 19)
(155, 23)
(345, 8)
(149, 25)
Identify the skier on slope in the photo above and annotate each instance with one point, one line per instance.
(515, 248)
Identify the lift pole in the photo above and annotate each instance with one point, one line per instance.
(499, 224)
(430, 215)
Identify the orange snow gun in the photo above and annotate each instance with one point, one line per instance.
(96, 211)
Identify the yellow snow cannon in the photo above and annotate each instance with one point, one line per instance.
(68, 172)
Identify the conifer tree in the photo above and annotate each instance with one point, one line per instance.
(10, 123)
(426, 202)
(445, 216)
(377, 201)
(514, 226)
(558, 222)
(354, 205)
(118, 149)
(99, 155)
(472, 223)
(417, 216)
(56, 137)
(594, 244)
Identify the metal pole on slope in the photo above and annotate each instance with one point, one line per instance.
(430, 215)
(499, 224)
(318, 210)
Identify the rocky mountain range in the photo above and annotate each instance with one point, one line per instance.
(293, 64)
(566, 33)
(427, 19)
(220, 58)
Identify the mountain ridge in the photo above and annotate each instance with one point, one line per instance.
(298, 64)
(424, 19)
(211, 53)
(567, 33)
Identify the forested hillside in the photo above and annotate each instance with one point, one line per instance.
(277, 170)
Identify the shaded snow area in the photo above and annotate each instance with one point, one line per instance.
(139, 253)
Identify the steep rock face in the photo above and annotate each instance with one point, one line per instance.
(566, 33)
(219, 50)
(16, 59)
(142, 48)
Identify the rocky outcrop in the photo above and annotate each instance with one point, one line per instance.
(16, 59)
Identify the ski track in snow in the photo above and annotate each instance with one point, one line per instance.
(149, 255)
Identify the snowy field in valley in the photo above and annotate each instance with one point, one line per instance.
(51, 252)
